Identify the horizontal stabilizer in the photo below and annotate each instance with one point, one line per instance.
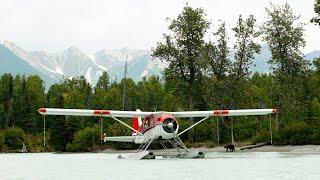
(120, 138)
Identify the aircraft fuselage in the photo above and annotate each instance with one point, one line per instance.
(162, 126)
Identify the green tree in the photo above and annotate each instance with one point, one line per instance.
(131, 102)
(6, 90)
(2, 141)
(27, 123)
(217, 55)
(183, 48)
(315, 105)
(98, 100)
(14, 138)
(316, 19)
(316, 78)
(103, 82)
(58, 127)
(284, 36)
(2, 115)
(150, 94)
(87, 139)
(35, 97)
(113, 99)
(28, 95)
(245, 47)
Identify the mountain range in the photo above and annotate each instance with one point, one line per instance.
(72, 62)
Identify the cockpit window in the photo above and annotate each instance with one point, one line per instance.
(147, 123)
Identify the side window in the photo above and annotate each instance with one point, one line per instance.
(147, 123)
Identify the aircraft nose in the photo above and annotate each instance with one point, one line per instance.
(170, 125)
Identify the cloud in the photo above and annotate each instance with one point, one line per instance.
(96, 24)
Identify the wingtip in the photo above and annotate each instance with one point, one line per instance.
(274, 110)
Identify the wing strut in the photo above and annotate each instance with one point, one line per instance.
(193, 125)
(118, 120)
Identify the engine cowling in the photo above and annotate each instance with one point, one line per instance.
(169, 125)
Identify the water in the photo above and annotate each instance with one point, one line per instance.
(218, 165)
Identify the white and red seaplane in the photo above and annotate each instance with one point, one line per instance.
(156, 127)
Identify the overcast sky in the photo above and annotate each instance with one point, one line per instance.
(92, 25)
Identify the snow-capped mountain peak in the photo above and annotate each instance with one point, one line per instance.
(74, 50)
(73, 62)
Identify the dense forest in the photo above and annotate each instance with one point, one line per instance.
(202, 75)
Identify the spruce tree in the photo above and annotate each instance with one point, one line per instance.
(58, 139)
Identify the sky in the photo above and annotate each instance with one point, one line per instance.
(92, 25)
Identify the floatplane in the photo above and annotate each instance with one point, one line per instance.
(156, 127)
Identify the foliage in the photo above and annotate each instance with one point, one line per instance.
(103, 82)
(117, 129)
(217, 53)
(183, 50)
(87, 139)
(284, 35)
(260, 137)
(35, 142)
(217, 56)
(316, 19)
(58, 128)
(2, 141)
(295, 133)
(245, 47)
(200, 76)
(14, 138)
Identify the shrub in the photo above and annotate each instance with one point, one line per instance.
(263, 136)
(35, 142)
(85, 140)
(14, 138)
(315, 137)
(295, 133)
(2, 141)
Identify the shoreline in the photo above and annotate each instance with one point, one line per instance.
(303, 149)
(299, 149)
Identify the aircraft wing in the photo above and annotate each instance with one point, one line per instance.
(241, 112)
(87, 112)
(131, 114)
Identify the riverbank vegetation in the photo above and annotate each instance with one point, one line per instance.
(202, 75)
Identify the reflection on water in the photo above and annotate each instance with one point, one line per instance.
(217, 165)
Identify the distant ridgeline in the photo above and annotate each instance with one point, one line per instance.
(52, 67)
